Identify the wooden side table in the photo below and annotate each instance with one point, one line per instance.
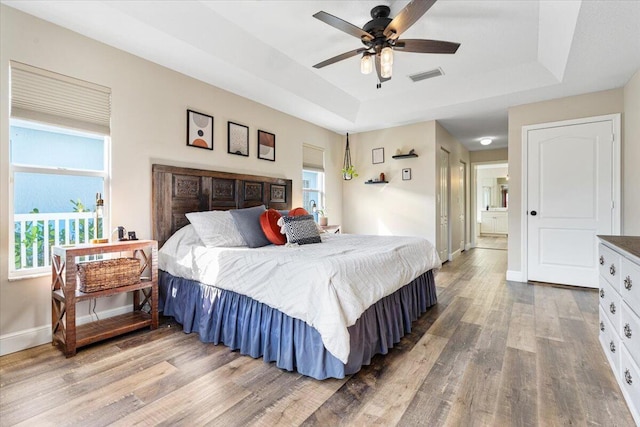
(65, 294)
(335, 229)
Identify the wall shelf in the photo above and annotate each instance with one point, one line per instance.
(404, 156)
(376, 182)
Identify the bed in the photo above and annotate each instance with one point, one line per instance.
(323, 310)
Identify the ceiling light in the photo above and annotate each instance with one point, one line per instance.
(385, 71)
(386, 56)
(366, 64)
(485, 141)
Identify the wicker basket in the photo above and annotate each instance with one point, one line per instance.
(111, 273)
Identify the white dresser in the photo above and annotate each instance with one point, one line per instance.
(620, 313)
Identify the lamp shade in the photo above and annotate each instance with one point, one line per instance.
(366, 64)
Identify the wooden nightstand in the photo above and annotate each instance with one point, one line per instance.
(65, 294)
(335, 229)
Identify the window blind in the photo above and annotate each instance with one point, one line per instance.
(312, 158)
(48, 97)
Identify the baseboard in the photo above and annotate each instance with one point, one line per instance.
(516, 276)
(454, 255)
(22, 340)
(467, 246)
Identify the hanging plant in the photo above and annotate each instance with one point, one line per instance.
(348, 169)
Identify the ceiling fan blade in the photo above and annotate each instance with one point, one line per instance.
(379, 70)
(342, 25)
(340, 57)
(426, 46)
(407, 17)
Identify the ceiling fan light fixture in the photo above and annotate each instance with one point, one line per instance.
(486, 141)
(385, 71)
(366, 64)
(386, 56)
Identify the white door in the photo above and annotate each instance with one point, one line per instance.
(462, 203)
(570, 199)
(443, 234)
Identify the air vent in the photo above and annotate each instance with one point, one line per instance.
(427, 75)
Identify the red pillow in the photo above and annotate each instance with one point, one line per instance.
(298, 211)
(269, 223)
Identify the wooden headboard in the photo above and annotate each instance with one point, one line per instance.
(177, 191)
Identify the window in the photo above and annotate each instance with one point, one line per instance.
(59, 162)
(313, 179)
(312, 191)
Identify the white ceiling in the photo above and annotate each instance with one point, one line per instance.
(512, 52)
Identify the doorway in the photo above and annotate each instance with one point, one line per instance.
(490, 205)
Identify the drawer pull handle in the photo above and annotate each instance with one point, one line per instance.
(612, 347)
(601, 260)
(627, 330)
(627, 377)
(612, 270)
(612, 308)
(601, 293)
(627, 283)
(602, 326)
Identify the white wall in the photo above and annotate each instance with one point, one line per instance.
(587, 105)
(149, 106)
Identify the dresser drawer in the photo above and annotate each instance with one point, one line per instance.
(610, 302)
(609, 265)
(630, 382)
(609, 341)
(630, 284)
(629, 331)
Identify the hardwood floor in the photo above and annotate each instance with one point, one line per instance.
(492, 241)
(490, 353)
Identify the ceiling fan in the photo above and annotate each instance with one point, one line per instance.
(380, 37)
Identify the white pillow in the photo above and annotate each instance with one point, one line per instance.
(216, 228)
(186, 236)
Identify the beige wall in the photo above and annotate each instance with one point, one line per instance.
(402, 207)
(148, 126)
(631, 156)
(587, 105)
(459, 199)
(496, 155)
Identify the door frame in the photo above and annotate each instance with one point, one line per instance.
(617, 192)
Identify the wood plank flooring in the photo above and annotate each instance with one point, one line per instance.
(491, 353)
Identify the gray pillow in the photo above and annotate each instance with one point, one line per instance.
(248, 224)
(301, 229)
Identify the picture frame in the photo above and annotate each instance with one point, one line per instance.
(406, 174)
(237, 139)
(377, 155)
(199, 130)
(266, 146)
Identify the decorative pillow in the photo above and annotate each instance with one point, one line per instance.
(186, 236)
(269, 223)
(248, 223)
(297, 211)
(301, 229)
(216, 228)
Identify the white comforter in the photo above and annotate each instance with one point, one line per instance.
(327, 285)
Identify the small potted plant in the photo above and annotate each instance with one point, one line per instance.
(322, 217)
(349, 173)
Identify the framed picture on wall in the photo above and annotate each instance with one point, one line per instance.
(266, 146)
(377, 155)
(237, 139)
(199, 130)
(406, 174)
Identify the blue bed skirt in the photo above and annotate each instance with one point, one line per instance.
(257, 330)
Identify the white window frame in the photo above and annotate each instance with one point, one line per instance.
(14, 168)
(321, 202)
